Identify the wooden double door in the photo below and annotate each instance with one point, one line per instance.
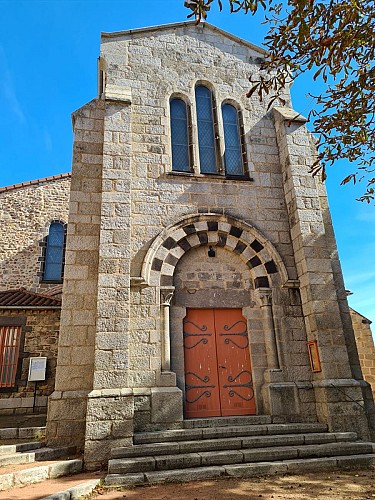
(218, 378)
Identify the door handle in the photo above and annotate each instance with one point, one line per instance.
(221, 366)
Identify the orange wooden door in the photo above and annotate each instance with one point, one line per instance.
(202, 397)
(218, 379)
(234, 366)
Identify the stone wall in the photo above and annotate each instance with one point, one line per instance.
(25, 215)
(40, 338)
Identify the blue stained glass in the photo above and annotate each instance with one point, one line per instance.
(54, 252)
(179, 136)
(206, 135)
(232, 155)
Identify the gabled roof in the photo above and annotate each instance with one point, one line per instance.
(24, 299)
(164, 27)
(365, 320)
(36, 182)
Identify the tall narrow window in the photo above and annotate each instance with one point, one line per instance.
(233, 150)
(206, 131)
(10, 337)
(54, 255)
(179, 136)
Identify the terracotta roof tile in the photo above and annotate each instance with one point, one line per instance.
(36, 182)
(24, 298)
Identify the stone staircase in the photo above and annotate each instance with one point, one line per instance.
(234, 447)
(19, 464)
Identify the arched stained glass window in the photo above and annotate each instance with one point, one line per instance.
(179, 136)
(233, 151)
(206, 132)
(54, 255)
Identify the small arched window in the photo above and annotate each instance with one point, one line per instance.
(233, 159)
(206, 130)
(179, 136)
(54, 253)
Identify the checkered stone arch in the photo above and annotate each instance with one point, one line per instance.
(215, 230)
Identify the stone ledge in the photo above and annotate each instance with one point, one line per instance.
(69, 394)
(110, 393)
(130, 391)
(337, 382)
(117, 93)
(288, 114)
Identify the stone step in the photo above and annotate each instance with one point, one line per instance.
(226, 432)
(37, 474)
(170, 448)
(38, 455)
(81, 490)
(227, 421)
(8, 449)
(296, 466)
(188, 460)
(11, 434)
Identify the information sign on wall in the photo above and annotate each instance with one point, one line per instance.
(37, 369)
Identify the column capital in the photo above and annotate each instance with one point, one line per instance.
(166, 295)
(263, 296)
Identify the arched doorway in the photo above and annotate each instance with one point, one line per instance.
(212, 262)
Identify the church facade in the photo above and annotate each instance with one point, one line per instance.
(201, 274)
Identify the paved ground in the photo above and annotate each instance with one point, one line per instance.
(358, 485)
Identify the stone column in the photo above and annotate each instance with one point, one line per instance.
(265, 298)
(316, 262)
(166, 398)
(166, 342)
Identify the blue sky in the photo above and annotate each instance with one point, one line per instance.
(48, 65)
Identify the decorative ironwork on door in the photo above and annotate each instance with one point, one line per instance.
(218, 378)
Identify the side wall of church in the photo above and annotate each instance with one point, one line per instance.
(25, 215)
(365, 345)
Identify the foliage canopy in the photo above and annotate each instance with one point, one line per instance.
(335, 39)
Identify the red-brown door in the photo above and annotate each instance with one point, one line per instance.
(218, 379)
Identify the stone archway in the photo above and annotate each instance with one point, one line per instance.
(216, 230)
